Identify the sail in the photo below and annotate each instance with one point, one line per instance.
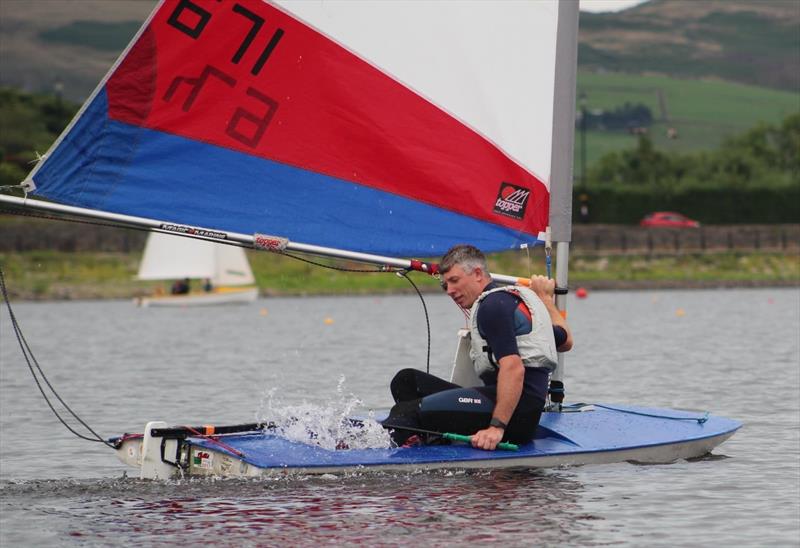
(388, 127)
(168, 257)
(232, 267)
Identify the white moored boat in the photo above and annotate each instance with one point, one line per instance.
(224, 268)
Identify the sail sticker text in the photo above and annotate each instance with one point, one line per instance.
(191, 20)
(270, 243)
(511, 200)
(181, 229)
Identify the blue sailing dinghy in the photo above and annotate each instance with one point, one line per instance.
(359, 130)
(591, 434)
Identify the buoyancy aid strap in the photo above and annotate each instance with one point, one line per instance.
(488, 349)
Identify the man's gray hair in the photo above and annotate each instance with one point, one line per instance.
(467, 256)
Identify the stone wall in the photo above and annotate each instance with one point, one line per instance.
(623, 238)
(19, 233)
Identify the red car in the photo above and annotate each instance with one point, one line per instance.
(668, 219)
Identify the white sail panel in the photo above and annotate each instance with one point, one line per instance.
(489, 64)
(168, 257)
(232, 267)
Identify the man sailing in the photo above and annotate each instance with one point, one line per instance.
(515, 334)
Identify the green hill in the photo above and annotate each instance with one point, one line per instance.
(670, 55)
(754, 42)
(66, 43)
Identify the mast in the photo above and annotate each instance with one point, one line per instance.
(562, 159)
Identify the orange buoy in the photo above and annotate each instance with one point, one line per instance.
(581, 293)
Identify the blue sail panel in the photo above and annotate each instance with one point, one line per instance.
(113, 166)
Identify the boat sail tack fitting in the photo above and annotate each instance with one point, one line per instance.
(323, 123)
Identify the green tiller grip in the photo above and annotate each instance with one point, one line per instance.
(504, 445)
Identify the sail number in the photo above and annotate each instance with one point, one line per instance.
(191, 20)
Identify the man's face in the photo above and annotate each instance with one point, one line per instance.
(464, 288)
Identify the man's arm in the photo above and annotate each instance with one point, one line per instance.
(545, 289)
(509, 389)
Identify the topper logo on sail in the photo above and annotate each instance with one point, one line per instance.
(511, 200)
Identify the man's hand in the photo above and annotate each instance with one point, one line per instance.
(543, 286)
(487, 438)
(545, 289)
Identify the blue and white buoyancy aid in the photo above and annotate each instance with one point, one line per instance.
(537, 348)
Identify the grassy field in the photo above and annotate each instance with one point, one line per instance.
(43, 275)
(703, 111)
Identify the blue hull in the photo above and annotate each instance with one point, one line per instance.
(604, 434)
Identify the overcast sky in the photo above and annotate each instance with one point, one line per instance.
(608, 5)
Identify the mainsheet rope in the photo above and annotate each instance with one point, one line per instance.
(29, 357)
(403, 273)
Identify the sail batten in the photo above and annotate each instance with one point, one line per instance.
(298, 120)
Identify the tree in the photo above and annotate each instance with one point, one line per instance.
(29, 123)
(640, 166)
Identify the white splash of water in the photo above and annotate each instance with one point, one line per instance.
(331, 425)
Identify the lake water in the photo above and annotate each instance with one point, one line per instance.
(735, 353)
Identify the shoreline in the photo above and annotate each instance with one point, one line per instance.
(84, 294)
(61, 276)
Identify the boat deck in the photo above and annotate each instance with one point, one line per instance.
(602, 434)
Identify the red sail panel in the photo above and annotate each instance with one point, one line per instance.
(249, 77)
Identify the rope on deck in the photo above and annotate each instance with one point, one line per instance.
(700, 420)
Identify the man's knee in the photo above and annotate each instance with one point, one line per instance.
(404, 414)
(404, 385)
